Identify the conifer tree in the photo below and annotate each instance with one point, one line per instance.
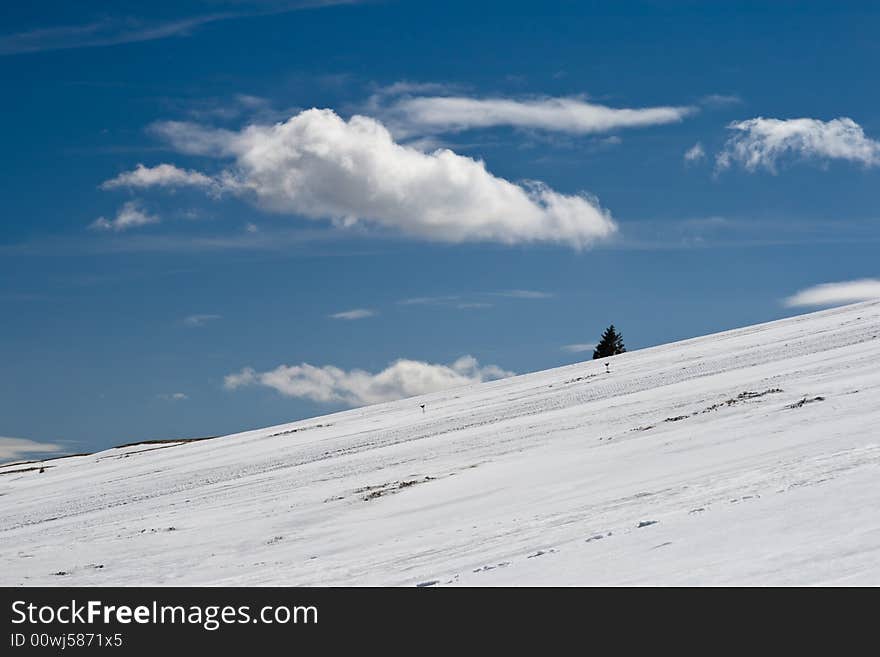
(610, 344)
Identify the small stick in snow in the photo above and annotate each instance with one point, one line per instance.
(422, 406)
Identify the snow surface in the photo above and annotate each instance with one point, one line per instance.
(661, 472)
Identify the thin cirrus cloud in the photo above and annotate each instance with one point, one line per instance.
(430, 301)
(401, 379)
(173, 396)
(525, 294)
(13, 448)
(579, 347)
(106, 32)
(198, 320)
(113, 31)
(130, 215)
(573, 115)
(474, 300)
(319, 166)
(717, 101)
(762, 143)
(356, 313)
(836, 294)
(695, 153)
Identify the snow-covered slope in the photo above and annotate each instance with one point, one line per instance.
(746, 457)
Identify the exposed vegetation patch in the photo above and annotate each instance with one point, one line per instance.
(171, 442)
(578, 379)
(41, 468)
(540, 553)
(299, 429)
(483, 569)
(805, 401)
(743, 396)
(374, 492)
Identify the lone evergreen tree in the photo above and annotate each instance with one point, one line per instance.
(610, 344)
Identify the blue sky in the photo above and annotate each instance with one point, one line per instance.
(674, 168)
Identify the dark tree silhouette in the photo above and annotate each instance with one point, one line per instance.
(610, 344)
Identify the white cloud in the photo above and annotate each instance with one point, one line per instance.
(195, 139)
(578, 348)
(195, 321)
(525, 294)
(474, 299)
(319, 166)
(720, 100)
(835, 294)
(173, 396)
(695, 153)
(407, 88)
(130, 215)
(761, 143)
(162, 175)
(247, 376)
(357, 313)
(225, 108)
(571, 115)
(403, 378)
(429, 301)
(14, 448)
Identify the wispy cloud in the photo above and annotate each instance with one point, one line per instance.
(402, 378)
(173, 396)
(835, 294)
(579, 347)
(410, 115)
(761, 143)
(162, 175)
(283, 240)
(195, 321)
(471, 300)
(695, 153)
(725, 232)
(130, 215)
(720, 100)
(525, 294)
(429, 301)
(195, 139)
(231, 108)
(106, 32)
(357, 313)
(118, 30)
(303, 167)
(15, 448)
